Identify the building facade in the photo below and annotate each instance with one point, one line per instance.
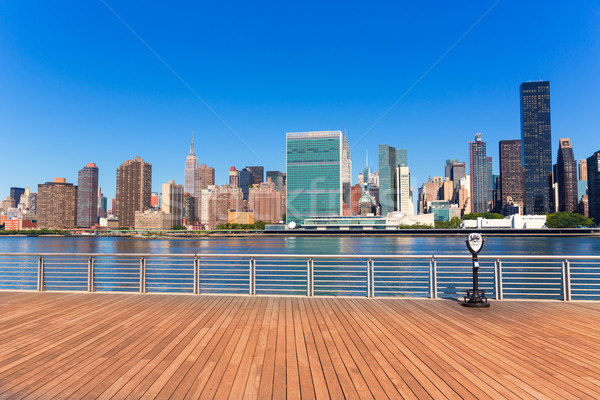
(28, 203)
(403, 191)
(593, 175)
(278, 178)
(15, 194)
(150, 220)
(267, 203)
(387, 178)
(479, 171)
(87, 196)
(314, 181)
(257, 174)
(536, 147)
(172, 202)
(566, 170)
(346, 162)
(205, 177)
(234, 177)
(191, 166)
(134, 189)
(511, 172)
(57, 205)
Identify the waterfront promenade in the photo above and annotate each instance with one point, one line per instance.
(101, 345)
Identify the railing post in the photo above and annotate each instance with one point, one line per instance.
(372, 269)
(142, 275)
(40, 283)
(312, 277)
(498, 278)
(566, 280)
(252, 277)
(369, 281)
(308, 277)
(196, 275)
(91, 274)
(433, 278)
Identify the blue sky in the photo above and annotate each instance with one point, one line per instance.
(76, 86)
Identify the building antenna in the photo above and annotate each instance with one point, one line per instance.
(192, 144)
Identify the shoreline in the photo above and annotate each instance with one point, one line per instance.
(566, 232)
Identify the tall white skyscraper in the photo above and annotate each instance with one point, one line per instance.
(403, 192)
(172, 201)
(191, 164)
(346, 162)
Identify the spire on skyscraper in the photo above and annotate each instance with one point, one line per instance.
(192, 144)
(26, 190)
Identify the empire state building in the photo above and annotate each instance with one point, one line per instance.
(191, 164)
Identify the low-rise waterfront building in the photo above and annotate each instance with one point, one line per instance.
(152, 221)
(392, 221)
(19, 224)
(512, 222)
(240, 217)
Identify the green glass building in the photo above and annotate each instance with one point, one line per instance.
(314, 184)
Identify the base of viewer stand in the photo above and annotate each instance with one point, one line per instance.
(479, 301)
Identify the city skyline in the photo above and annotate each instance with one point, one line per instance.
(103, 87)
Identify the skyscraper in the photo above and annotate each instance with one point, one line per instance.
(234, 177)
(87, 196)
(172, 202)
(346, 162)
(28, 202)
(278, 178)
(566, 170)
(511, 172)
(387, 178)
(134, 188)
(191, 165)
(536, 148)
(314, 175)
(15, 194)
(403, 192)
(490, 180)
(593, 175)
(257, 175)
(245, 178)
(448, 167)
(582, 186)
(205, 177)
(57, 204)
(479, 172)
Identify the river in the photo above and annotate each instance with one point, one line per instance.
(304, 245)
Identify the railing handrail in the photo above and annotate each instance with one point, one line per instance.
(304, 256)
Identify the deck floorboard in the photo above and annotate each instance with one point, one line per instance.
(114, 346)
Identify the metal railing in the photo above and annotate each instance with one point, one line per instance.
(429, 276)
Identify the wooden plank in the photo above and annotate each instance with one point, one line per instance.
(87, 345)
(61, 374)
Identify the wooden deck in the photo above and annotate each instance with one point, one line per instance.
(93, 345)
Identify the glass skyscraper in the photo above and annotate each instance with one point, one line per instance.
(536, 147)
(314, 180)
(387, 178)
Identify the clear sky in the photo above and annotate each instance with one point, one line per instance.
(77, 86)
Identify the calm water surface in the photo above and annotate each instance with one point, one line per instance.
(305, 245)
